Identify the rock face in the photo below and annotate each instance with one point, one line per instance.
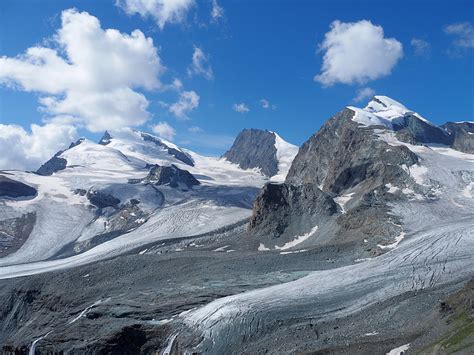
(56, 163)
(52, 165)
(178, 154)
(254, 148)
(415, 130)
(172, 176)
(101, 199)
(462, 134)
(342, 154)
(12, 188)
(281, 208)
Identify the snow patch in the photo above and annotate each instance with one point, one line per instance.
(343, 200)
(391, 189)
(222, 248)
(262, 247)
(297, 240)
(394, 244)
(285, 153)
(292, 252)
(371, 333)
(400, 350)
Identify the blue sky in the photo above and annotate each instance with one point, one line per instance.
(251, 50)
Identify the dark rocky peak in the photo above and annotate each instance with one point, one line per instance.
(343, 154)
(171, 176)
(174, 151)
(57, 163)
(105, 138)
(462, 134)
(254, 148)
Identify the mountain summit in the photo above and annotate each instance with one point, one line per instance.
(264, 150)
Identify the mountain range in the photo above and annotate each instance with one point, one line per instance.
(134, 244)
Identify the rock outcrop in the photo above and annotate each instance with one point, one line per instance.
(13, 189)
(171, 176)
(462, 134)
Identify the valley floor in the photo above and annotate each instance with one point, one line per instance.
(177, 295)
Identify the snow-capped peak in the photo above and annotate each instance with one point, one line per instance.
(384, 103)
(383, 111)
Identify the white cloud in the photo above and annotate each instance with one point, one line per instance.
(188, 101)
(420, 46)
(28, 150)
(164, 130)
(241, 108)
(91, 76)
(162, 11)
(357, 52)
(267, 105)
(200, 64)
(464, 33)
(217, 12)
(363, 94)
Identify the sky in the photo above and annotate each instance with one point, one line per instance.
(198, 72)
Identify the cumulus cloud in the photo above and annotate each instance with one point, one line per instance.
(164, 130)
(217, 12)
(91, 74)
(364, 94)
(162, 11)
(463, 33)
(420, 46)
(200, 64)
(188, 101)
(240, 108)
(24, 150)
(357, 52)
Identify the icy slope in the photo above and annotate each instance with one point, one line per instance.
(70, 221)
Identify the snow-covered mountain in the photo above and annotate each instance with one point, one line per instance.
(96, 200)
(360, 241)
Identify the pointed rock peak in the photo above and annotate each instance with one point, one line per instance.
(264, 150)
(105, 138)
